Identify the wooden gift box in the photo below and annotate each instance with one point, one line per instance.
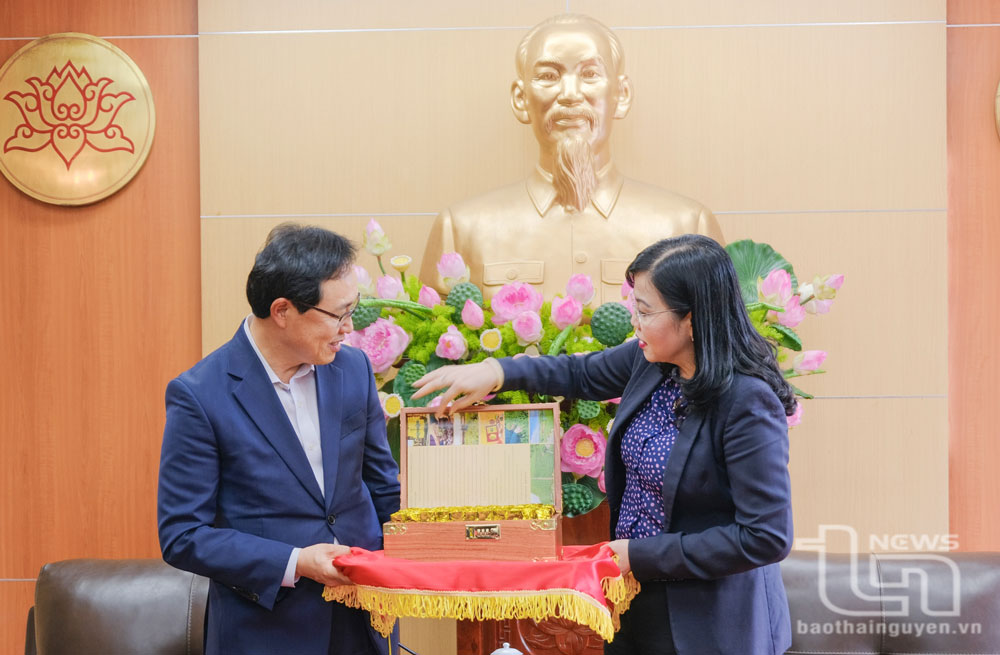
(488, 455)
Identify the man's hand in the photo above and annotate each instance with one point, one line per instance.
(620, 546)
(469, 383)
(316, 563)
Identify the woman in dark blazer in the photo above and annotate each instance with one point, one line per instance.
(697, 458)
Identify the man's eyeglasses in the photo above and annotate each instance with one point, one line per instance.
(643, 317)
(340, 318)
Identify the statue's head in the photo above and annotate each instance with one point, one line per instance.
(570, 86)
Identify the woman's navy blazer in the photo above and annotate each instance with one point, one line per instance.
(726, 499)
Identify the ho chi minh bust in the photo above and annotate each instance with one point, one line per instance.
(575, 213)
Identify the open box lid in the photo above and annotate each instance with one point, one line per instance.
(483, 455)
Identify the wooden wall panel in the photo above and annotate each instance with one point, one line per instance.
(228, 254)
(789, 118)
(880, 336)
(276, 142)
(973, 243)
(878, 465)
(15, 599)
(21, 18)
(684, 13)
(768, 119)
(340, 15)
(976, 12)
(104, 309)
(428, 636)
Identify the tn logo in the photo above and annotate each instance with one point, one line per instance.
(894, 588)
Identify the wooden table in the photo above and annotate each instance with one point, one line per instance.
(552, 637)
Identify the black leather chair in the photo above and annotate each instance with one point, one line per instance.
(901, 603)
(116, 607)
(838, 605)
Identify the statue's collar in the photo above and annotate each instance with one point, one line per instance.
(609, 185)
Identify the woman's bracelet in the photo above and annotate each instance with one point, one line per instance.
(498, 370)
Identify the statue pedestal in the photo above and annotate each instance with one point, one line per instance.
(552, 637)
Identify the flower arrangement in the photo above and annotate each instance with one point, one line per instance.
(407, 329)
(776, 303)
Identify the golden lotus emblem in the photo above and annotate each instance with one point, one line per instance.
(76, 119)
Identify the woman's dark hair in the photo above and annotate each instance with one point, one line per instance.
(694, 274)
(293, 263)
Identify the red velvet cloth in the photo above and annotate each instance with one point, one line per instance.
(582, 568)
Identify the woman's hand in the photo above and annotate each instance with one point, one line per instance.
(463, 385)
(620, 546)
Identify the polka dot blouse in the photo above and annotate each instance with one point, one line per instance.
(645, 449)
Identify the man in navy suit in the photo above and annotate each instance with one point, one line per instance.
(275, 459)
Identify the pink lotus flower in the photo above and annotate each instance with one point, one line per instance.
(817, 306)
(428, 296)
(808, 361)
(512, 299)
(452, 269)
(793, 314)
(567, 311)
(451, 344)
(796, 417)
(365, 285)
(390, 288)
(600, 482)
(776, 289)
(629, 297)
(582, 450)
(581, 287)
(383, 341)
(472, 315)
(375, 240)
(817, 296)
(827, 287)
(629, 304)
(527, 328)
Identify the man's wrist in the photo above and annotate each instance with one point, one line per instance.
(291, 569)
(495, 365)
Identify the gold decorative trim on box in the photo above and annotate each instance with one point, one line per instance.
(475, 513)
(544, 524)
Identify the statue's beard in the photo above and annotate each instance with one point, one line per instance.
(574, 177)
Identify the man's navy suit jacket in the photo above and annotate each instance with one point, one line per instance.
(726, 499)
(236, 494)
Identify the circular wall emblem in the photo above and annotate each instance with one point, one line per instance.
(996, 109)
(76, 119)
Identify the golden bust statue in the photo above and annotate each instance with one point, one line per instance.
(576, 213)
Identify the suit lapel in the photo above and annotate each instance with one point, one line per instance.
(633, 398)
(257, 397)
(678, 457)
(329, 400)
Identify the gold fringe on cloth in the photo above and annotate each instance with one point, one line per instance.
(386, 605)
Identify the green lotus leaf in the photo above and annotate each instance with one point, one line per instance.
(785, 336)
(755, 260)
